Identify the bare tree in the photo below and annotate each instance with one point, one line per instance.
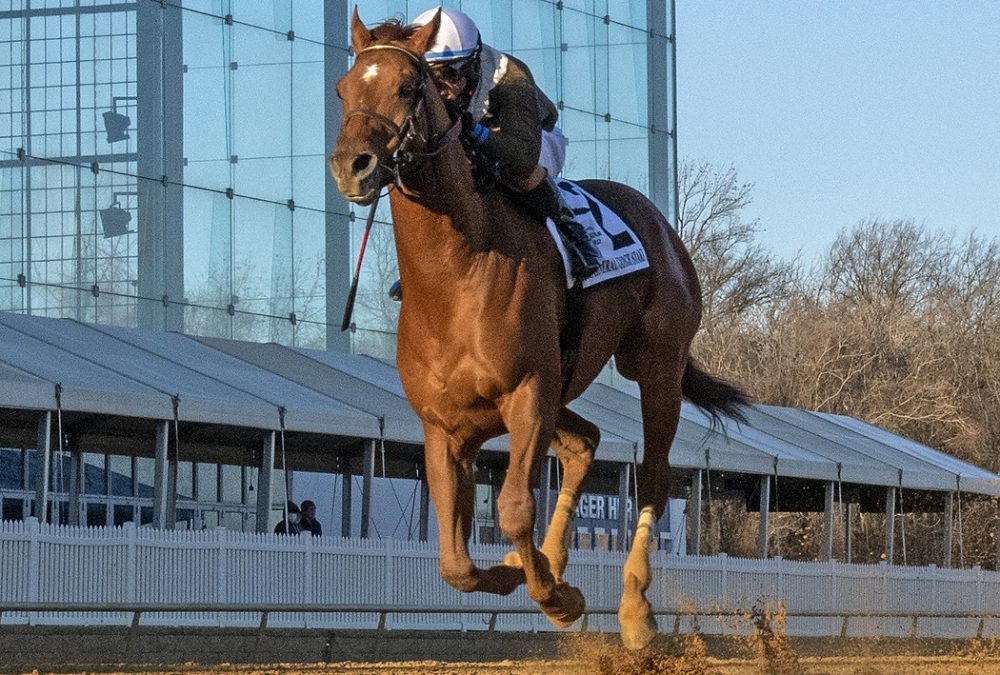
(257, 313)
(897, 326)
(375, 314)
(738, 276)
(886, 266)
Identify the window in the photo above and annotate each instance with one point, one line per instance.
(124, 513)
(208, 482)
(13, 509)
(232, 484)
(121, 476)
(145, 470)
(95, 477)
(97, 515)
(11, 468)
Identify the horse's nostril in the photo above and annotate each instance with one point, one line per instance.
(362, 162)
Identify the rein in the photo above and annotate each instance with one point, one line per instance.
(406, 133)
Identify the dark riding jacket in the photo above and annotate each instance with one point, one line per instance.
(514, 109)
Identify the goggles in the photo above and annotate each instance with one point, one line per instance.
(450, 71)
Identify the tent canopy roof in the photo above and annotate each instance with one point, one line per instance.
(106, 370)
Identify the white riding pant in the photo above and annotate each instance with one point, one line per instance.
(553, 154)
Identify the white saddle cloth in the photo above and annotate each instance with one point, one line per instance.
(621, 251)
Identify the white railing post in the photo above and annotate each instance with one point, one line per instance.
(834, 584)
(34, 562)
(388, 569)
(602, 592)
(308, 564)
(131, 560)
(463, 600)
(724, 582)
(934, 598)
(221, 578)
(979, 589)
(222, 546)
(885, 568)
(979, 601)
(780, 562)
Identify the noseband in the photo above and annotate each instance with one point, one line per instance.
(406, 133)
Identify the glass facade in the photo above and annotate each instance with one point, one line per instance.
(163, 166)
(62, 71)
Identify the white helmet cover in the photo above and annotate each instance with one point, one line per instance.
(457, 38)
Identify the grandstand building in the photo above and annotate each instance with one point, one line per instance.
(162, 167)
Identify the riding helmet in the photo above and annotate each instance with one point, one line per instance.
(457, 38)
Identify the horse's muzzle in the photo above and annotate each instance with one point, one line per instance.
(358, 177)
(361, 199)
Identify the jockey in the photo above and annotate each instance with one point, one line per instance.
(511, 121)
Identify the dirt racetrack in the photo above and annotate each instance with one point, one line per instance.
(767, 650)
(765, 653)
(859, 665)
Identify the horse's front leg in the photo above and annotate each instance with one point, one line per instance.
(531, 425)
(575, 441)
(452, 485)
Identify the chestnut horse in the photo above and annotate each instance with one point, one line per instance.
(479, 330)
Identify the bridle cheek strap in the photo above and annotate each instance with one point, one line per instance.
(405, 133)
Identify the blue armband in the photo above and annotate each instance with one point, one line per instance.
(479, 134)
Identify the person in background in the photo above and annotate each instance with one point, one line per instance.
(293, 516)
(308, 522)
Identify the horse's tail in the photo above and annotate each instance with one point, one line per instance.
(713, 394)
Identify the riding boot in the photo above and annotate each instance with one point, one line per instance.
(396, 291)
(547, 201)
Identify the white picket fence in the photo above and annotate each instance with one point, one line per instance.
(62, 564)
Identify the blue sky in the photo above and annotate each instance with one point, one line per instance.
(838, 111)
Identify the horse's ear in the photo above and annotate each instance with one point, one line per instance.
(423, 38)
(361, 37)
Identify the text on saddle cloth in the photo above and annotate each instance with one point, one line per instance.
(621, 251)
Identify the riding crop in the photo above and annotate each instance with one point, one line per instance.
(352, 294)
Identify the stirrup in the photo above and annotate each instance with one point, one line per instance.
(580, 265)
(585, 259)
(396, 291)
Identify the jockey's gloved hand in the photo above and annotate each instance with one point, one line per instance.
(479, 134)
(473, 131)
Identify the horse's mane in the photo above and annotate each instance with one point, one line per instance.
(392, 30)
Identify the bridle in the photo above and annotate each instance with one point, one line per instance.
(406, 133)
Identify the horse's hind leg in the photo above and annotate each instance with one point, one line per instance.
(575, 441)
(660, 390)
(452, 486)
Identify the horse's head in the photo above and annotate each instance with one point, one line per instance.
(383, 96)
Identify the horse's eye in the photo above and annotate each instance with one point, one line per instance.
(406, 90)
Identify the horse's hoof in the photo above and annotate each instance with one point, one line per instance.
(565, 606)
(638, 626)
(513, 559)
(501, 579)
(638, 635)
